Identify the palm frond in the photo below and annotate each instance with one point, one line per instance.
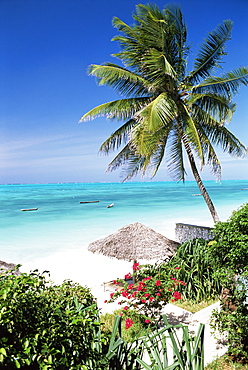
(159, 154)
(121, 109)
(221, 136)
(162, 31)
(190, 131)
(134, 163)
(119, 78)
(146, 143)
(158, 70)
(122, 27)
(211, 52)
(218, 107)
(209, 153)
(212, 160)
(174, 155)
(159, 112)
(227, 85)
(130, 162)
(202, 117)
(179, 41)
(117, 138)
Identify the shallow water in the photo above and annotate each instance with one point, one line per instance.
(56, 236)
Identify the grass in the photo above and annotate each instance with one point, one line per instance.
(226, 363)
(193, 307)
(137, 330)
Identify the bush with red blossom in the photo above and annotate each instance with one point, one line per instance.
(148, 295)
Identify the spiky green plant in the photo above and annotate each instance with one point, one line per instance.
(188, 352)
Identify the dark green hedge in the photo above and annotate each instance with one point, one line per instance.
(47, 326)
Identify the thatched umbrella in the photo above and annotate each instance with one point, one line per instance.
(133, 242)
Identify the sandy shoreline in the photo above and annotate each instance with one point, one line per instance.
(84, 267)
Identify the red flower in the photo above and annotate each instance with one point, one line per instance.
(111, 295)
(125, 293)
(147, 278)
(147, 295)
(182, 282)
(177, 295)
(125, 308)
(136, 266)
(158, 283)
(177, 268)
(147, 321)
(105, 301)
(143, 300)
(128, 276)
(129, 323)
(158, 294)
(151, 299)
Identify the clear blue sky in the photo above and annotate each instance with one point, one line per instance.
(46, 46)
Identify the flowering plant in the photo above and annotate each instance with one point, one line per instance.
(147, 296)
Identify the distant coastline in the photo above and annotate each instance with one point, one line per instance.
(117, 182)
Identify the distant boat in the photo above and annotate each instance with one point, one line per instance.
(91, 201)
(29, 209)
(196, 195)
(110, 205)
(245, 189)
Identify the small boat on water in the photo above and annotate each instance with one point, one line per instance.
(110, 205)
(29, 209)
(90, 201)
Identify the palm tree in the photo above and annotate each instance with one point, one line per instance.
(166, 110)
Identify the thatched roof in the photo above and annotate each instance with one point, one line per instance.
(133, 242)
(4, 267)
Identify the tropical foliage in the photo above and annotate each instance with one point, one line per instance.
(193, 267)
(198, 269)
(230, 250)
(230, 247)
(168, 110)
(46, 326)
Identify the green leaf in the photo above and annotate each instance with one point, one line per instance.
(211, 51)
(3, 351)
(17, 364)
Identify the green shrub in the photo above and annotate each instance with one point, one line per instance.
(197, 268)
(230, 250)
(46, 326)
(233, 319)
(193, 265)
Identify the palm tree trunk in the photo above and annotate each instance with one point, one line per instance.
(199, 182)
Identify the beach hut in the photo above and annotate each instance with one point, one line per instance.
(134, 242)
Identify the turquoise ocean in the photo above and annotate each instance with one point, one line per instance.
(56, 236)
